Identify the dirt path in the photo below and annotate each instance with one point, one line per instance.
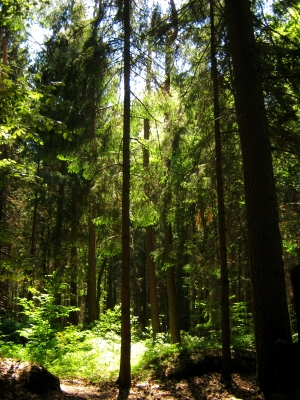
(206, 387)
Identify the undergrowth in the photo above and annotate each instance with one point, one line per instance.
(93, 352)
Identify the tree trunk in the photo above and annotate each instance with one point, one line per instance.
(170, 274)
(91, 289)
(3, 155)
(74, 320)
(124, 378)
(109, 286)
(270, 309)
(171, 288)
(73, 286)
(57, 246)
(226, 354)
(99, 280)
(149, 249)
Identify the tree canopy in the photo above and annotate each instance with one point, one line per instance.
(152, 147)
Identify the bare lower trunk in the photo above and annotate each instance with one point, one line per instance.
(270, 309)
(124, 379)
(171, 289)
(226, 354)
(91, 290)
(149, 249)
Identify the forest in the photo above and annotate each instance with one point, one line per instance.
(149, 188)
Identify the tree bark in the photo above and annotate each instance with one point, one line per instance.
(91, 290)
(58, 233)
(171, 288)
(73, 286)
(226, 354)
(92, 274)
(270, 309)
(170, 273)
(124, 379)
(149, 249)
(99, 281)
(73, 316)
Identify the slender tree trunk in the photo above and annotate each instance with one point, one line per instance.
(3, 151)
(150, 265)
(170, 274)
(33, 227)
(57, 247)
(29, 274)
(109, 287)
(74, 320)
(91, 290)
(270, 309)
(99, 280)
(3, 222)
(226, 354)
(184, 306)
(4, 36)
(124, 379)
(92, 268)
(73, 285)
(152, 282)
(171, 288)
(149, 249)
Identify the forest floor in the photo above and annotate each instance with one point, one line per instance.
(194, 388)
(204, 387)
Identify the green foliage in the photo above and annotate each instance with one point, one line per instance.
(41, 314)
(110, 321)
(9, 330)
(71, 338)
(110, 324)
(162, 356)
(94, 354)
(241, 326)
(12, 350)
(22, 112)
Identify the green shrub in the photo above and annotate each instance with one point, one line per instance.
(70, 338)
(12, 350)
(40, 330)
(9, 330)
(110, 322)
(242, 332)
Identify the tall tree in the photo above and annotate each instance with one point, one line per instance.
(270, 309)
(150, 247)
(150, 264)
(226, 353)
(168, 235)
(124, 379)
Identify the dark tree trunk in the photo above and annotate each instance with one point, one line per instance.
(170, 274)
(99, 281)
(270, 309)
(152, 282)
(184, 306)
(226, 354)
(295, 279)
(109, 287)
(171, 287)
(91, 289)
(74, 320)
(124, 378)
(30, 274)
(149, 249)
(73, 286)
(58, 233)
(3, 154)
